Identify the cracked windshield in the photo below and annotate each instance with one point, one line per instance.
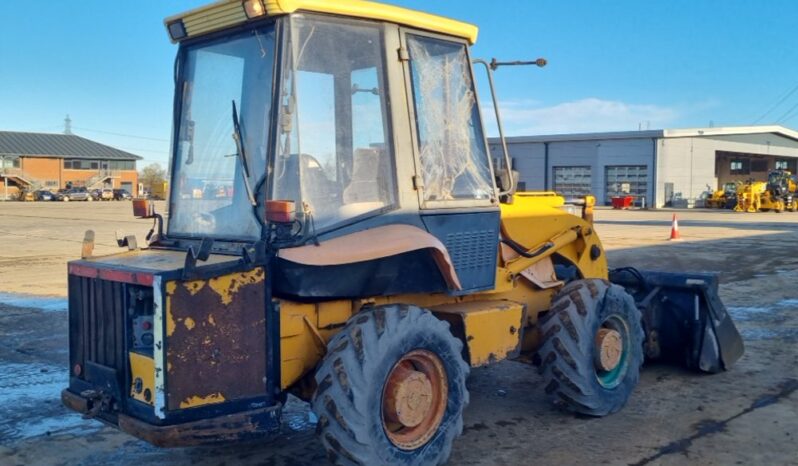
(212, 197)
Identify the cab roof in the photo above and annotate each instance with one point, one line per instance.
(226, 13)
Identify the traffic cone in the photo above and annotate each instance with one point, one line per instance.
(675, 230)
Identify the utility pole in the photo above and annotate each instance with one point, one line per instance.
(68, 125)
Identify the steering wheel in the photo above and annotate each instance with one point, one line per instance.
(206, 221)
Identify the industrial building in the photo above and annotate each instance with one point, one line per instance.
(658, 167)
(33, 161)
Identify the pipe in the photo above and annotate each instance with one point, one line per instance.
(561, 240)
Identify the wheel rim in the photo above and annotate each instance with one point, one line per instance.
(414, 399)
(611, 351)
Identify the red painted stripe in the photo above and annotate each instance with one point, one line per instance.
(83, 271)
(126, 277)
(135, 278)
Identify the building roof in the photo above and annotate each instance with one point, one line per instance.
(226, 13)
(661, 134)
(58, 146)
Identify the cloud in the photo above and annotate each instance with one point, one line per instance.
(524, 118)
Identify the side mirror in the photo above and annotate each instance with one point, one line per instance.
(143, 208)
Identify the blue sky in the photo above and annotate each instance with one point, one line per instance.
(616, 65)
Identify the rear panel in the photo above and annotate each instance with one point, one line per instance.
(215, 340)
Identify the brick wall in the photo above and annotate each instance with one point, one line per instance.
(51, 173)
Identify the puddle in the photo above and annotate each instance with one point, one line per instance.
(744, 313)
(30, 401)
(760, 333)
(45, 303)
(766, 323)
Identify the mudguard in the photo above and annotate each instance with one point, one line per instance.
(683, 317)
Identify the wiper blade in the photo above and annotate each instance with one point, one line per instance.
(242, 155)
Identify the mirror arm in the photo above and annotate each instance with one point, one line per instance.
(507, 162)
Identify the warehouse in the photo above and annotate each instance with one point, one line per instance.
(658, 167)
(33, 161)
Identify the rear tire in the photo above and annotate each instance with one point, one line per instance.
(353, 379)
(578, 375)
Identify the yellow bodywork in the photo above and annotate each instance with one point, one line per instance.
(749, 196)
(227, 13)
(494, 321)
(491, 329)
(142, 368)
(194, 401)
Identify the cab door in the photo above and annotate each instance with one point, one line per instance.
(454, 178)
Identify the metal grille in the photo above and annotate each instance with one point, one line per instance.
(97, 322)
(471, 249)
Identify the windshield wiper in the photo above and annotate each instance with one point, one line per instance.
(242, 155)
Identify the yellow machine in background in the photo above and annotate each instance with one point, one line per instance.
(777, 194)
(722, 198)
(749, 196)
(338, 231)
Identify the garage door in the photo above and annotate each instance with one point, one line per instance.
(621, 178)
(572, 181)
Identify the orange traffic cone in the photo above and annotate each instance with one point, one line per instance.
(675, 230)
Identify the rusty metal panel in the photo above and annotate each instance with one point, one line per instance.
(215, 339)
(492, 330)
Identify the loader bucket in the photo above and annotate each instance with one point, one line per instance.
(684, 319)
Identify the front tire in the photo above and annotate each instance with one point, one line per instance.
(593, 347)
(391, 389)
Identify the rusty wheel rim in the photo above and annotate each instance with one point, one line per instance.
(612, 346)
(414, 399)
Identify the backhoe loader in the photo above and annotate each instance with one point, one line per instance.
(725, 197)
(780, 191)
(338, 231)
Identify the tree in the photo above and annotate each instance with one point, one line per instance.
(151, 175)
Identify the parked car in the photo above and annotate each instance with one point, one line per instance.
(59, 195)
(77, 194)
(42, 195)
(95, 194)
(122, 195)
(107, 195)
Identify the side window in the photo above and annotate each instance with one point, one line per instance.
(454, 159)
